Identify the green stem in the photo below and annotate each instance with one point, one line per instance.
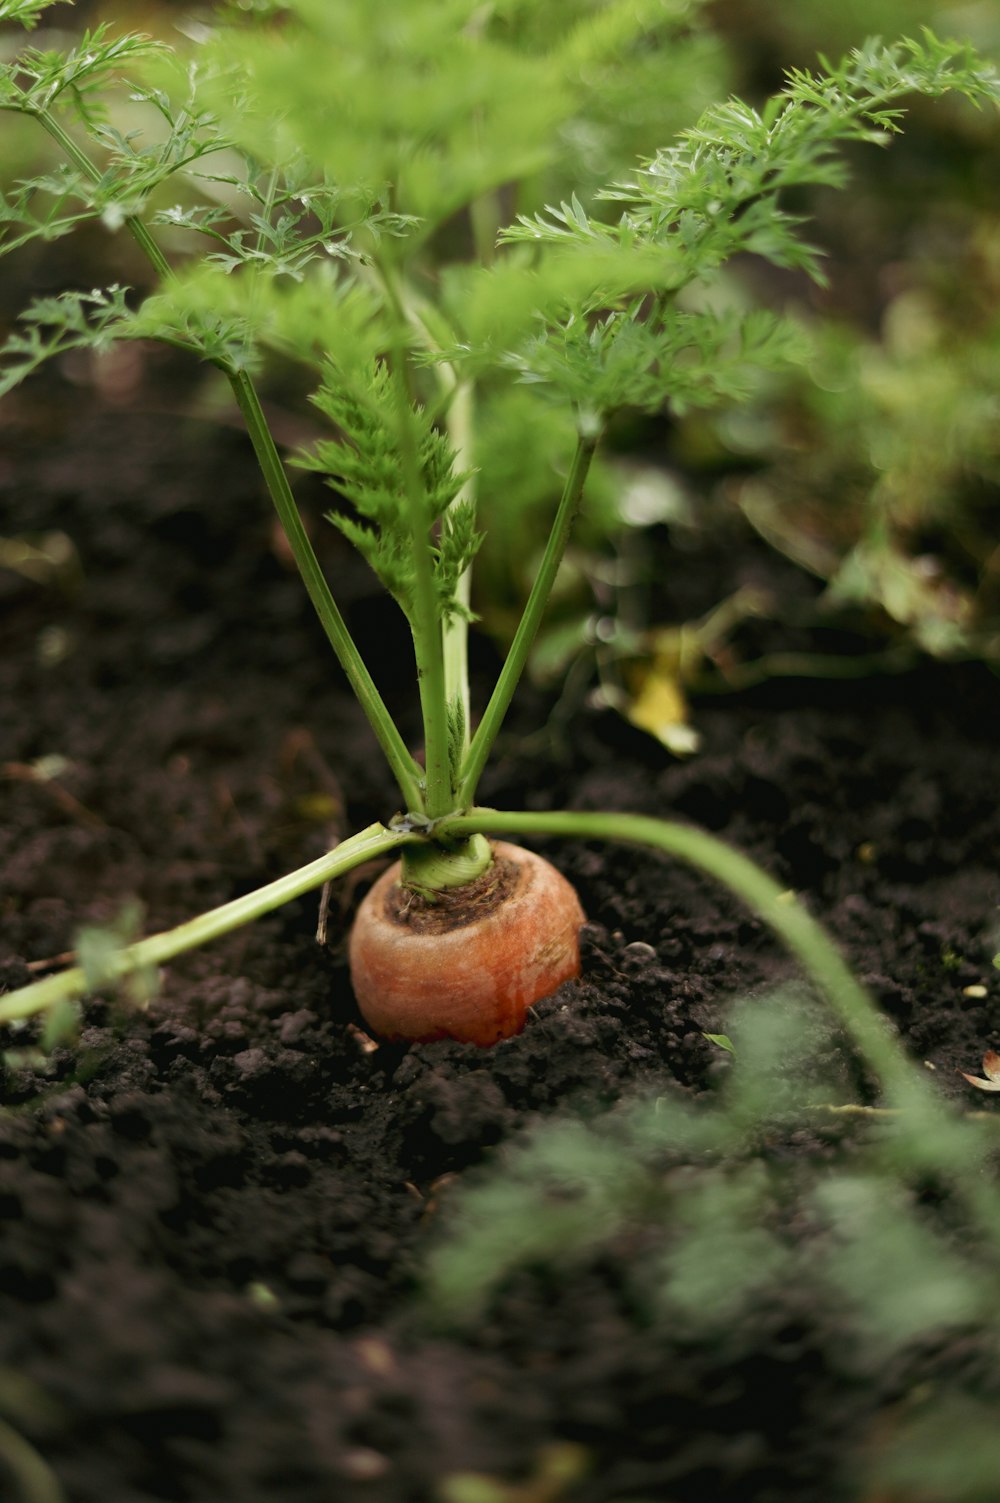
(425, 618)
(430, 866)
(411, 310)
(517, 657)
(406, 771)
(456, 628)
(34, 1479)
(376, 840)
(807, 940)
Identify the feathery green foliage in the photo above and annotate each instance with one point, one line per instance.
(719, 1213)
(365, 466)
(26, 12)
(319, 234)
(53, 325)
(686, 1183)
(697, 205)
(43, 77)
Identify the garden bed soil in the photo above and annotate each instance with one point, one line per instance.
(217, 1214)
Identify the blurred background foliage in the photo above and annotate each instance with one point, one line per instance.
(874, 469)
(778, 1230)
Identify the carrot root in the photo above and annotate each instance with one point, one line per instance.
(473, 976)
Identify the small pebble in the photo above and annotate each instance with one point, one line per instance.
(250, 1062)
(363, 1465)
(294, 1024)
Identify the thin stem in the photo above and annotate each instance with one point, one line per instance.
(376, 840)
(404, 768)
(807, 940)
(456, 628)
(91, 170)
(510, 673)
(425, 617)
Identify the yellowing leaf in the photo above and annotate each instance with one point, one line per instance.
(991, 1069)
(658, 706)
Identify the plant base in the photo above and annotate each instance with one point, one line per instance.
(468, 967)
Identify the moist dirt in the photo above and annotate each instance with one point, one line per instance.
(216, 1215)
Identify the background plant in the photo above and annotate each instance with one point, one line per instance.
(715, 1207)
(894, 507)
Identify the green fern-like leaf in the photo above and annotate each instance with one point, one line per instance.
(44, 208)
(366, 467)
(26, 12)
(457, 734)
(714, 195)
(80, 72)
(53, 325)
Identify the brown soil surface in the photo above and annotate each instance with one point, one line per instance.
(216, 1217)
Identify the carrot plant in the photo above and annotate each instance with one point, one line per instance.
(361, 190)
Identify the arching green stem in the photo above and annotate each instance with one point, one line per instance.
(807, 940)
(405, 769)
(376, 840)
(517, 657)
(933, 1138)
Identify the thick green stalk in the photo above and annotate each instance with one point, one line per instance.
(425, 617)
(406, 771)
(807, 940)
(456, 628)
(376, 840)
(517, 657)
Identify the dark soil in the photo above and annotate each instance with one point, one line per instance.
(217, 1215)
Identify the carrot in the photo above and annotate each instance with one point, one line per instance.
(466, 963)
